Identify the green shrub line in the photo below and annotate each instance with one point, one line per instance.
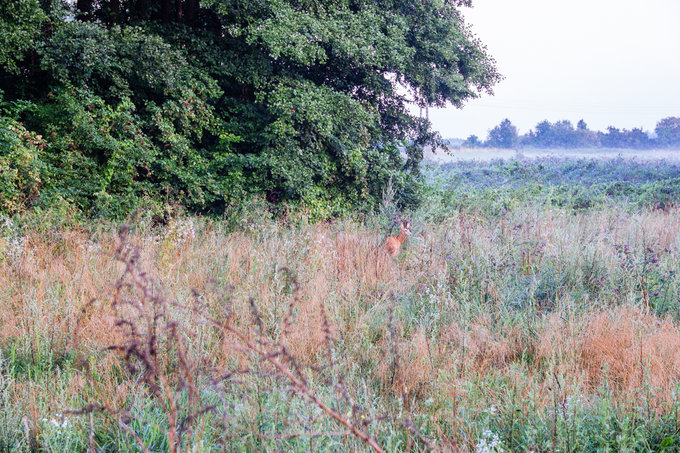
(497, 187)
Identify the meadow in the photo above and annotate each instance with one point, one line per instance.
(534, 308)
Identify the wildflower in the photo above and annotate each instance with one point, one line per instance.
(59, 421)
(91, 247)
(489, 443)
(6, 225)
(16, 247)
(181, 231)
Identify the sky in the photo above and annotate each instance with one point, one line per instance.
(609, 62)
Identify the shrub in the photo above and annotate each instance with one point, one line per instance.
(20, 169)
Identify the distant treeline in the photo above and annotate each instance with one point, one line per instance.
(562, 134)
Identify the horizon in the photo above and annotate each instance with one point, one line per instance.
(607, 63)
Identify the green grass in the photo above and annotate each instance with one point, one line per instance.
(493, 188)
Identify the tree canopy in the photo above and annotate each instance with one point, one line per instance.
(503, 136)
(208, 102)
(668, 131)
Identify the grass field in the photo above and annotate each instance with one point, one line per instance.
(457, 154)
(534, 308)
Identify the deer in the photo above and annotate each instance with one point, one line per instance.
(392, 243)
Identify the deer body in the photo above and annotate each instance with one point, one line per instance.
(393, 243)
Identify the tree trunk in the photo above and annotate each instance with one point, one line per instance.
(178, 11)
(165, 11)
(191, 11)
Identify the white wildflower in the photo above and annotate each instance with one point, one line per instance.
(91, 247)
(60, 422)
(16, 247)
(181, 231)
(489, 443)
(6, 226)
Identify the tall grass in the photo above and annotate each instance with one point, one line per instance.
(541, 328)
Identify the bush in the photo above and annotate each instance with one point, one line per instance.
(20, 177)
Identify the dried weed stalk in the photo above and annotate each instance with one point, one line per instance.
(156, 348)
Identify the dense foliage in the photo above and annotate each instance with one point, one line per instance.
(207, 103)
(562, 134)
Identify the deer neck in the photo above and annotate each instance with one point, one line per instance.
(401, 236)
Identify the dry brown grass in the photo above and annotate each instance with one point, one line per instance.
(55, 295)
(631, 349)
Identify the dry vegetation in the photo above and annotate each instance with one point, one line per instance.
(543, 329)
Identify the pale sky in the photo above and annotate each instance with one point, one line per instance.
(610, 62)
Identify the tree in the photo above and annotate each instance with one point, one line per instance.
(326, 84)
(20, 26)
(564, 134)
(584, 136)
(503, 136)
(472, 142)
(613, 138)
(559, 134)
(636, 138)
(221, 99)
(668, 131)
(543, 134)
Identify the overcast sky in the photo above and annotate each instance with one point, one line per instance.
(610, 62)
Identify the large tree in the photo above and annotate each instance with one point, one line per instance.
(668, 131)
(503, 136)
(304, 101)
